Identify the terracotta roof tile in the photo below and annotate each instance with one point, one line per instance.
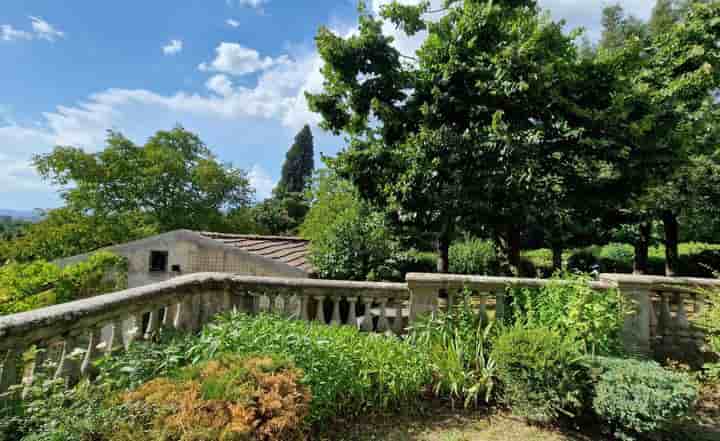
(292, 251)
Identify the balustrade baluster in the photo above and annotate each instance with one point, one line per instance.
(367, 321)
(137, 331)
(482, 313)
(226, 300)
(697, 310)
(352, 312)
(653, 312)
(500, 305)
(336, 320)
(304, 305)
(398, 325)
(383, 324)
(153, 324)
(170, 317)
(36, 366)
(69, 364)
(320, 309)
(272, 307)
(664, 326)
(10, 370)
(116, 340)
(681, 322)
(183, 319)
(92, 352)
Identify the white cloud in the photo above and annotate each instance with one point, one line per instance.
(232, 23)
(9, 33)
(173, 47)
(588, 13)
(234, 59)
(41, 30)
(256, 4)
(220, 84)
(44, 30)
(261, 181)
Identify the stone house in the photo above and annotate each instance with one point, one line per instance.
(164, 256)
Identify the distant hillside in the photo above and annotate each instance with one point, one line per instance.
(19, 214)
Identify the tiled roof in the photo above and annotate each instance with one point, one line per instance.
(292, 251)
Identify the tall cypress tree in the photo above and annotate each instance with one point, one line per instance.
(299, 164)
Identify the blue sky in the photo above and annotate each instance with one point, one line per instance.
(233, 71)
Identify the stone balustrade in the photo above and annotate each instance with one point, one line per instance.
(74, 334)
(664, 307)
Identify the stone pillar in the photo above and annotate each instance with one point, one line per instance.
(423, 298)
(636, 331)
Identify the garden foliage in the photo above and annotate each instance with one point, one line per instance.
(226, 399)
(458, 344)
(570, 307)
(26, 286)
(349, 373)
(543, 374)
(640, 397)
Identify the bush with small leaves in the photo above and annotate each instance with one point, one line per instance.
(640, 397)
(543, 374)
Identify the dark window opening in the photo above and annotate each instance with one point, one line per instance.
(158, 261)
(175, 268)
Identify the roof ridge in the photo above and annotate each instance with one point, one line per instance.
(251, 236)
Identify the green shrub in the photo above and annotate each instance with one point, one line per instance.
(458, 346)
(356, 246)
(226, 399)
(543, 374)
(349, 373)
(26, 286)
(53, 412)
(569, 306)
(474, 256)
(413, 261)
(144, 360)
(640, 397)
(584, 261)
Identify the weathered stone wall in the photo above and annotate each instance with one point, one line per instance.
(192, 253)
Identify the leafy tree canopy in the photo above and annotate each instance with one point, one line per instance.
(173, 180)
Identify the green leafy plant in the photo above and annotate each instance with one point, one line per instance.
(458, 345)
(349, 373)
(474, 256)
(640, 397)
(543, 374)
(569, 306)
(26, 286)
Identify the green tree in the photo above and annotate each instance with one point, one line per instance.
(173, 180)
(618, 28)
(299, 164)
(474, 130)
(65, 232)
(662, 97)
(664, 16)
(349, 240)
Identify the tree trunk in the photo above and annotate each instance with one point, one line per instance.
(443, 249)
(642, 245)
(557, 261)
(513, 249)
(672, 233)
